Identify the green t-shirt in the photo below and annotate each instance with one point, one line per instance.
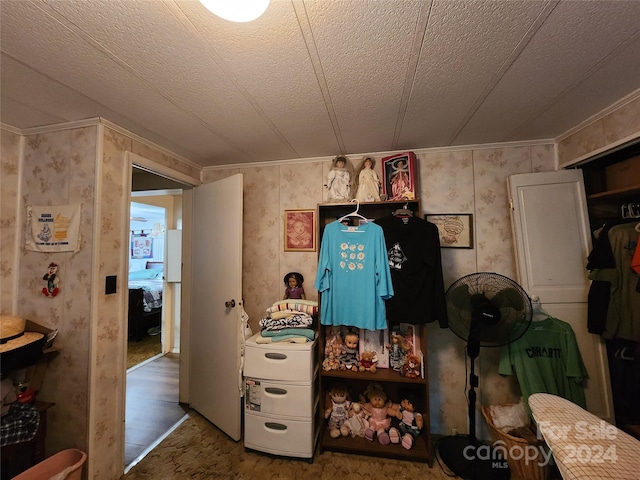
(546, 359)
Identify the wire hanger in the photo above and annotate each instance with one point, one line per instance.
(354, 214)
(403, 212)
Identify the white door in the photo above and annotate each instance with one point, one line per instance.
(552, 240)
(215, 340)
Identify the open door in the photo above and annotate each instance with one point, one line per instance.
(552, 240)
(216, 296)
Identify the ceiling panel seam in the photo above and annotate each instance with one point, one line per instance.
(314, 57)
(583, 78)
(420, 32)
(546, 11)
(183, 18)
(66, 23)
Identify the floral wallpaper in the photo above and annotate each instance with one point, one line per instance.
(86, 165)
(452, 181)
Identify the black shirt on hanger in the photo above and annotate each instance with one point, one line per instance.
(413, 248)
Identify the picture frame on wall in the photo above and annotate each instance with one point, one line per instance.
(455, 229)
(300, 230)
(399, 177)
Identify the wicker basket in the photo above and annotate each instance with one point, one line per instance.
(522, 467)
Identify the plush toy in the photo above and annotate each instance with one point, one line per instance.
(357, 420)
(368, 361)
(349, 357)
(337, 410)
(377, 408)
(410, 423)
(411, 367)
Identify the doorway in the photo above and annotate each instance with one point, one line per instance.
(152, 387)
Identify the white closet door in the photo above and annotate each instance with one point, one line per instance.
(552, 241)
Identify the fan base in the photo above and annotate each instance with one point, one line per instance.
(458, 453)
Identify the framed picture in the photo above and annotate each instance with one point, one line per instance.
(299, 230)
(141, 245)
(399, 177)
(456, 229)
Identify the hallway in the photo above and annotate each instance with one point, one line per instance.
(152, 405)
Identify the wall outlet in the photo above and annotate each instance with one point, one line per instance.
(454, 432)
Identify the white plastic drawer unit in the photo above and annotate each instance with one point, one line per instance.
(279, 398)
(292, 362)
(279, 436)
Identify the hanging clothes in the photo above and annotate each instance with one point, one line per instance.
(546, 359)
(353, 276)
(602, 265)
(413, 248)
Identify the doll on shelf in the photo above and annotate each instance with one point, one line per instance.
(398, 349)
(400, 184)
(337, 410)
(293, 281)
(411, 423)
(368, 182)
(349, 358)
(378, 409)
(339, 181)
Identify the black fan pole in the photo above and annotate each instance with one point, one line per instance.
(473, 350)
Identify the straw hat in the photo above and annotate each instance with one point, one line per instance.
(12, 334)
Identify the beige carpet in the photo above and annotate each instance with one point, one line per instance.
(138, 352)
(198, 450)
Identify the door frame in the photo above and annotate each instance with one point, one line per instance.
(133, 160)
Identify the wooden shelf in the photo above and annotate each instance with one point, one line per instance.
(418, 453)
(393, 382)
(631, 191)
(381, 375)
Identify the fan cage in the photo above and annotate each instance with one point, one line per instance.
(513, 323)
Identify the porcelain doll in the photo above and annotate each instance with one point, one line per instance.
(339, 181)
(400, 181)
(368, 182)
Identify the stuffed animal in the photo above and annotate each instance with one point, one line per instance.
(411, 423)
(349, 357)
(411, 367)
(337, 410)
(368, 361)
(377, 408)
(357, 420)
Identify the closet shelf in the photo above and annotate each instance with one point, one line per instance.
(633, 190)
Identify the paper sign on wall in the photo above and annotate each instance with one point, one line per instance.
(53, 228)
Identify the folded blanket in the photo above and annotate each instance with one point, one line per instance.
(281, 339)
(305, 306)
(298, 332)
(292, 321)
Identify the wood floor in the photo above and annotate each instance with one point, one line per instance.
(152, 405)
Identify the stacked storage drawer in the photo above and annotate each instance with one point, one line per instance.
(281, 398)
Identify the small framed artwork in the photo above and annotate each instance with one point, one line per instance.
(299, 230)
(456, 229)
(399, 177)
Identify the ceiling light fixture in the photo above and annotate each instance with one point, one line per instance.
(236, 10)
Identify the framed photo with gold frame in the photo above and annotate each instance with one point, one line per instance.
(455, 229)
(300, 230)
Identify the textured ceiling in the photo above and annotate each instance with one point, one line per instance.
(314, 78)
